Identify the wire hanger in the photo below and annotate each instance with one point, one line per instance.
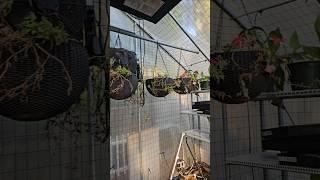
(118, 41)
(156, 60)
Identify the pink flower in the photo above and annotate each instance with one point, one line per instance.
(214, 61)
(270, 69)
(276, 40)
(238, 41)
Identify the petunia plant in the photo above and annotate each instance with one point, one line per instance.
(266, 44)
(217, 65)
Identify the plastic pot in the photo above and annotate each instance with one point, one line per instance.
(305, 75)
(205, 85)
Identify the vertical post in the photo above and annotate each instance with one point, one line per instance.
(284, 174)
(104, 10)
(225, 137)
(218, 133)
(91, 118)
(262, 126)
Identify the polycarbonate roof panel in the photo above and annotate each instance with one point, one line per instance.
(298, 15)
(194, 17)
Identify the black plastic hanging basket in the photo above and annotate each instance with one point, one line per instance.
(62, 79)
(69, 12)
(123, 86)
(124, 58)
(228, 90)
(160, 86)
(185, 85)
(51, 97)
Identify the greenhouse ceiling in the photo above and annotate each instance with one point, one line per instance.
(289, 16)
(194, 19)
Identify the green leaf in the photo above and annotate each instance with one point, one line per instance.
(317, 26)
(294, 41)
(312, 51)
(272, 48)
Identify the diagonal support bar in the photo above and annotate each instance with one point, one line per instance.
(161, 46)
(132, 34)
(190, 38)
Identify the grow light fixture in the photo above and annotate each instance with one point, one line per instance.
(150, 10)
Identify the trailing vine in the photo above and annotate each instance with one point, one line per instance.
(28, 40)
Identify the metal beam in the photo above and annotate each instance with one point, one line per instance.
(190, 38)
(132, 34)
(229, 14)
(161, 46)
(267, 8)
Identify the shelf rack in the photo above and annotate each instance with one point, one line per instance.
(197, 134)
(193, 133)
(288, 94)
(194, 112)
(268, 160)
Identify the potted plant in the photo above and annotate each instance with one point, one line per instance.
(123, 82)
(160, 85)
(42, 71)
(204, 81)
(269, 74)
(187, 82)
(248, 66)
(305, 65)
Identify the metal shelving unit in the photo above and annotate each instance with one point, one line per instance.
(195, 134)
(288, 94)
(195, 112)
(268, 160)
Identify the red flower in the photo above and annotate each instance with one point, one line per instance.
(238, 41)
(214, 61)
(276, 40)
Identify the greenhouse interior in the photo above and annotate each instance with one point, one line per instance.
(159, 89)
(264, 90)
(93, 90)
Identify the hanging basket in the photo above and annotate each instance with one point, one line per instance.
(228, 90)
(122, 87)
(160, 86)
(70, 13)
(261, 82)
(124, 58)
(52, 95)
(185, 85)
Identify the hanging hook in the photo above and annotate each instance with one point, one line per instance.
(118, 38)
